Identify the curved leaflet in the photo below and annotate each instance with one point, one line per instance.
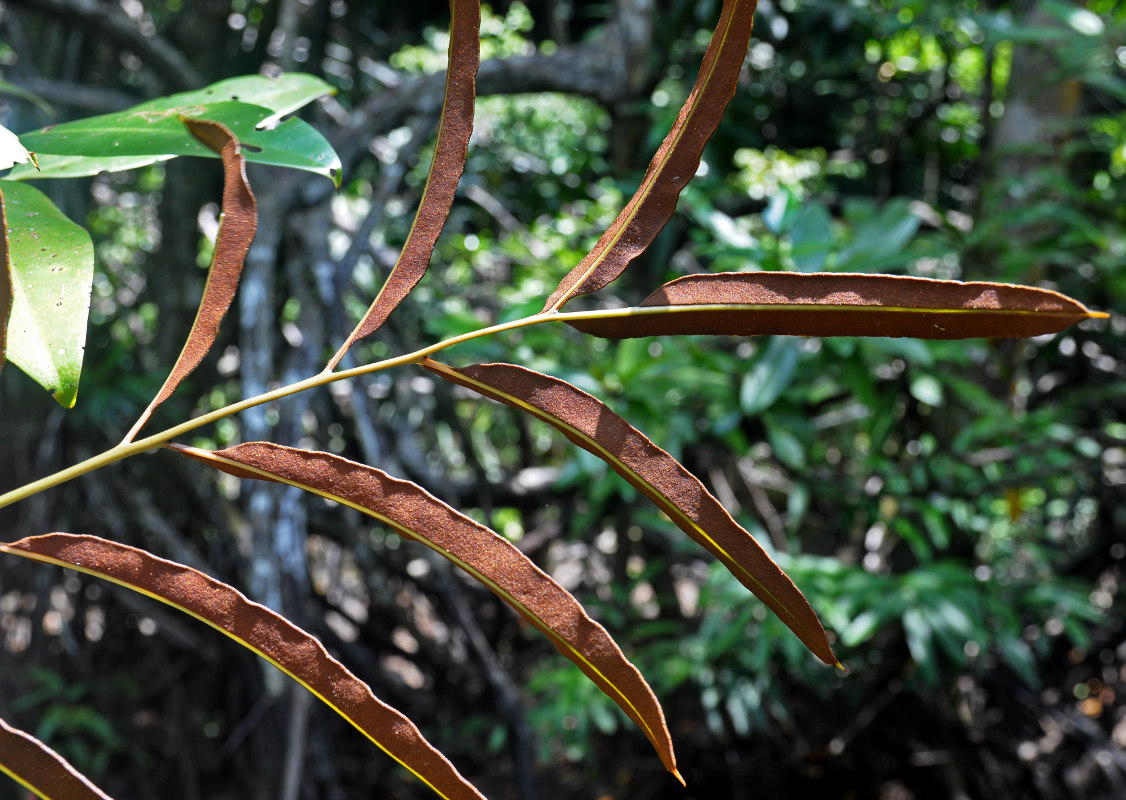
(675, 162)
(5, 282)
(508, 573)
(236, 231)
(445, 171)
(41, 770)
(839, 304)
(283, 644)
(591, 425)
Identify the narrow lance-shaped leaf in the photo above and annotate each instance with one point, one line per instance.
(479, 551)
(41, 770)
(236, 231)
(675, 163)
(587, 422)
(445, 171)
(5, 282)
(839, 304)
(256, 627)
(52, 273)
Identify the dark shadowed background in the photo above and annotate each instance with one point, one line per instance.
(953, 510)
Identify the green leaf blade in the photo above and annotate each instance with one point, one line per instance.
(98, 144)
(52, 272)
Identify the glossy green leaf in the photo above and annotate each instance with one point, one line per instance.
(771, 374)
(154, 130)
(52, 263)
(82, 167)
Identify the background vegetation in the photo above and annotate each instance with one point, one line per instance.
(953, 510)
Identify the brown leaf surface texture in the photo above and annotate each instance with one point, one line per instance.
(273, 637)
(591, 425)
(236, 232)
(6, 294)
(840, 304)
(675, 162)
(41, 770)
(488, 557)
(445, 171)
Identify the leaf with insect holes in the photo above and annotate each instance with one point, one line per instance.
(251, 106)
(446, 167)
(675, 162)
(236, 232)
(587, 422)
(41, 770)
(839, 304)
(417, 515)
(276, 639)
(51, 273)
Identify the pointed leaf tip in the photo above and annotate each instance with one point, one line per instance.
(236, 232)
(482, 553)
(839, 304)
(676, 160)
(591, 425)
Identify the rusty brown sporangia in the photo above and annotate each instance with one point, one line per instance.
(236, 231)
(840, 304)
(675, 162)
(5, 282)
(591, 425)
(445, 171)
(273, 637)
(490, 558)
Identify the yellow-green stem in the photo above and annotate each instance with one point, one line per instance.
(127, 449)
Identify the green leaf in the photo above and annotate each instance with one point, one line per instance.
(80, 167)
(770, 376)
(154, 130)
(52, 262)
(9, 88)
(926, 389)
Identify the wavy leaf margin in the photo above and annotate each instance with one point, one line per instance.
(674, 163)
(236, 232)
(479, 551)
(839, 304)
(274, 638)
(590, 424)
(450, 151)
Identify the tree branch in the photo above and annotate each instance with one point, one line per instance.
(111, 22)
